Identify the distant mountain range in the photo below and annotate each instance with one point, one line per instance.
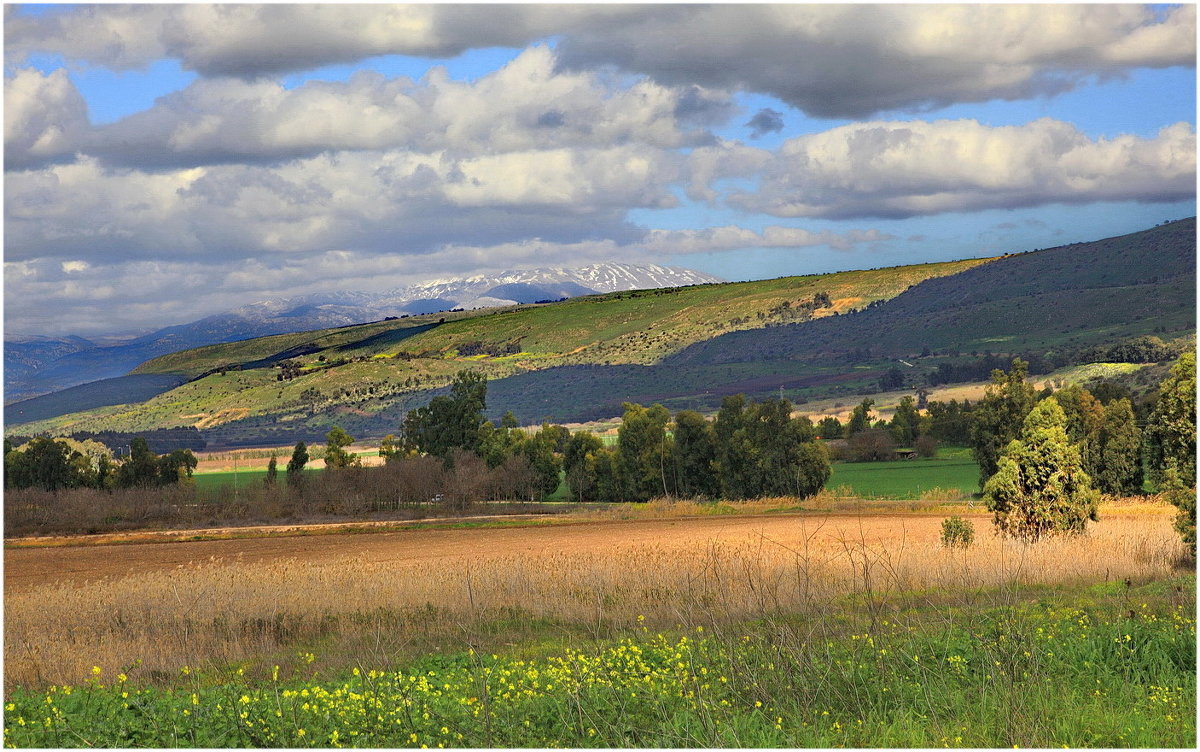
(35, 365)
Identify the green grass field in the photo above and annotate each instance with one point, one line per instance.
(1087, 667)
(238, 479)
(953, 468)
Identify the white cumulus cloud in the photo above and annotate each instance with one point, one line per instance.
(833, 60)
(525, 105)
(45, 118)
(901, 169)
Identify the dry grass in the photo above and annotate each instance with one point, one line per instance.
(360, 609)
(836, 500)
(945, 494)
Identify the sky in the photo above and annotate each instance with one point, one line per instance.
(167, 162)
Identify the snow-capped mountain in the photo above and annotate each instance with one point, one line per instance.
(565, 282)
(32, 368)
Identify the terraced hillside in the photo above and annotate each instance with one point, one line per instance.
(353, 374)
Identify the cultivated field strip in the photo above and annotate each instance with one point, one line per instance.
(388, 589)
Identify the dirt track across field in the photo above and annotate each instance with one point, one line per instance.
(26, 568)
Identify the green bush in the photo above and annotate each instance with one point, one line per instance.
(957, 532)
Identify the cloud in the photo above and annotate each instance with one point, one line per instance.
(765, 121)
(843, 60)
(714, 239)
(45, 118)
(528, 104)
(363, 201)
(254, 40)
(709, 164)
(903, 169)
(78, 296)
(830, 60)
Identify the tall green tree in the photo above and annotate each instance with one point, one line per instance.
(176, 467)
(830, 428)
(694, 456)
(336, 442)
(538, 449)
(763, 451)
(141, 469)
(1118, 451)
(860, 418)
(558, 436)
(737, 455)
(450, 421)
(787, 464)
(1170, 439)
(950, 422)
(579, 463)
(1085, 417)
(998, 417)
(644, 451)
(1170, 434)
(906, 422)
(295, 466)
(610, 486)
(272, 472)
(1040, 487)
(1184, 498)
(810, 469)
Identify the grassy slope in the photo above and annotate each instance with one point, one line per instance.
(100, 393)
(1059, 299)
(626, 327)
(623, 328)
(1073, 295)
(199, 360)
(644, 326)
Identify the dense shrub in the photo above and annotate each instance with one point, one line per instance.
(957, 532)
(1040, 488)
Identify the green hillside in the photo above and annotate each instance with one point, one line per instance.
(639, 326)
(686, 347)
(1053, 305)
(361, 371)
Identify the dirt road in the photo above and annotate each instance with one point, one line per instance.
(26, 568)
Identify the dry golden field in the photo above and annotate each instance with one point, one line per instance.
(372, 598)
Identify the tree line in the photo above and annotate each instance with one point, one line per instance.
(751, 449)
(1045, 458)
(54, 464)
